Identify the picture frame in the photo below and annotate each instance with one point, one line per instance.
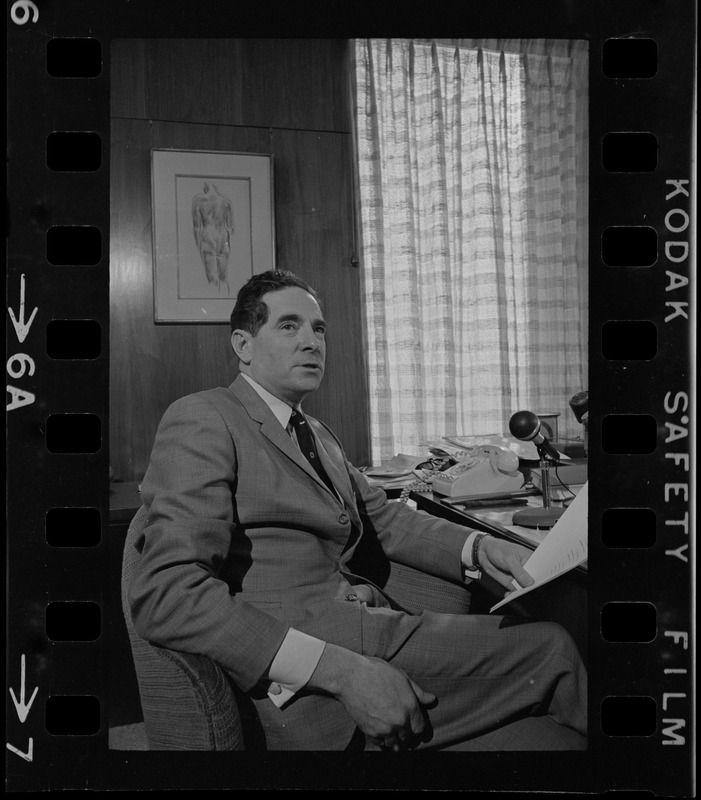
(549, 424)
(213, 228)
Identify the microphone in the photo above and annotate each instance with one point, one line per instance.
(525, 425)
(579, 404)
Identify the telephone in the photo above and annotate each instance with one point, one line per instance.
(485, 469)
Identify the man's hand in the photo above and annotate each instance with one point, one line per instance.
(504, 561)
(383, 701)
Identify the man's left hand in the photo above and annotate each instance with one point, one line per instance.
(504, 561)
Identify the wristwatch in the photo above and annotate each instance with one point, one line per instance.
(474, 557)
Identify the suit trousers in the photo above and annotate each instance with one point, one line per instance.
(500, 683)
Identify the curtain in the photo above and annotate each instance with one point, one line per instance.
(472, 182)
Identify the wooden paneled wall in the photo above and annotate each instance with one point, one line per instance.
(288, 98)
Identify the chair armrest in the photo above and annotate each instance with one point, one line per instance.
(187, 700)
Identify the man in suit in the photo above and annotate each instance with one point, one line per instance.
(260, 548)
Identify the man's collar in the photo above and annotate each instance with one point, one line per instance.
(282, 411)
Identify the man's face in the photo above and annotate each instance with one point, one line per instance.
(288, 353)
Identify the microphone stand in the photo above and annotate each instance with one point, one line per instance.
(545, 517)
(545, 477)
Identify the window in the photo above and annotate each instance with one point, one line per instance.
(472, 173)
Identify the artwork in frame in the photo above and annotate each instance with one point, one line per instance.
(213, 227)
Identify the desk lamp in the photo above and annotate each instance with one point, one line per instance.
(525, 425)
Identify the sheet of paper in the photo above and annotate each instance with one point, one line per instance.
(397, 467)
(564, 548)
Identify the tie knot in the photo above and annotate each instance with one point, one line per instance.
(296, 419)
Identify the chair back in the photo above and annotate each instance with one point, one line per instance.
(188, 701)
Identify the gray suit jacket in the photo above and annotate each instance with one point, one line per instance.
(244, 540)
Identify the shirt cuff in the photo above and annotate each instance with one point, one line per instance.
(471, 570)
(293, 665)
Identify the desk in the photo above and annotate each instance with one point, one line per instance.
(496, 519)
(563, 600)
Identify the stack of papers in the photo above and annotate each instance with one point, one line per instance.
(398, 467)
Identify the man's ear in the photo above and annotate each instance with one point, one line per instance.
(241, 344)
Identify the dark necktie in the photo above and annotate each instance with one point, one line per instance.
(305, 440)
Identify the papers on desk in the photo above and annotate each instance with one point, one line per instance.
(526, 451)
(563, 548)
(398, 467)
(397, 473)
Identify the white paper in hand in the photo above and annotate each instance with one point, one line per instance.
(563, 549)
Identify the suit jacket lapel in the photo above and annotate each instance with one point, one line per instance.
(271, 428)
(332, 459)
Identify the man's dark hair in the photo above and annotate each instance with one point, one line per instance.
(250, 312)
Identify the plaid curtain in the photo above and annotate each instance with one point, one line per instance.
(472, 171)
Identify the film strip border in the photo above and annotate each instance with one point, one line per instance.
(57, 384)
(640, 430)
(641, 433)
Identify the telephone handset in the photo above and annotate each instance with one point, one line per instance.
(485, 469)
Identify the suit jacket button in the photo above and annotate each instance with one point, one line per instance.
(343, 519)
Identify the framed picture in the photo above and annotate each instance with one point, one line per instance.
(213, 227)
(548, 422)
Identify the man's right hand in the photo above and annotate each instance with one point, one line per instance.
(383, 701)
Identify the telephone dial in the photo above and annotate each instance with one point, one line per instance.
(485, 469)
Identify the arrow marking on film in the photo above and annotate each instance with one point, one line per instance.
(29, 755)
(22, 327)
(20, 706)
